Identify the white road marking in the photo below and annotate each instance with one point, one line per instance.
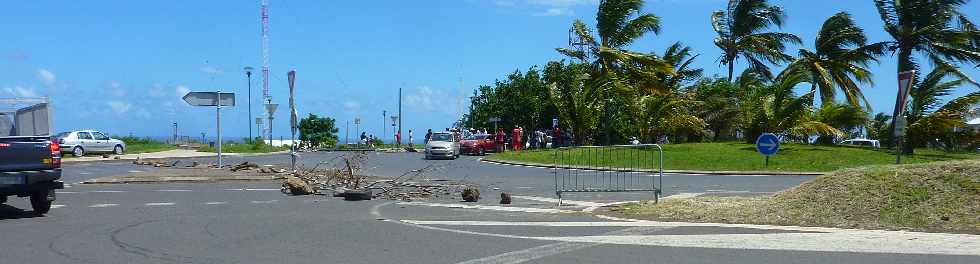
(170, 190)
(683, 195)
(102, 205)
(256, 189)
(135, 171)
(158, 204)
(61, 192)
(84, 173)
(828, 239)
(491, 207)
(553, 200)
(215, 203)
(108, 191)
(525, 255)
(57, 206)
(264, 202)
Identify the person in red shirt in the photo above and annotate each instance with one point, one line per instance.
(556, 138)
(516, 138)
(501, 139)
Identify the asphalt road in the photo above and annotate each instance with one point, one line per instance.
(252, 222)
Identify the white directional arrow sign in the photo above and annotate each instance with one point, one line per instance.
(209, 99)
(767, 144)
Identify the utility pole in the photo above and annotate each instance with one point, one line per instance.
(248, 74)
(218, 107)
(384, 132)
(400, 116)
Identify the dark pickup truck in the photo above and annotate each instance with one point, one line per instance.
(30, 166)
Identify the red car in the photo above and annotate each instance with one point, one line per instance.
(478, 144)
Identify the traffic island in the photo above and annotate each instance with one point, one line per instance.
(930, 197)
(191, 174)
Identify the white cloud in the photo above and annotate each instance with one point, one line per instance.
(555, 12)
(119, 107)
(114, 88)
(352, 106)
(46, 77)
(427, 99)
(181, 90)
(19, 91)
(156, 90)
(210, 69)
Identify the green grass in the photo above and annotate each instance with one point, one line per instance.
(935, 197)
(135, 145)
(243, 148)
(731, 156)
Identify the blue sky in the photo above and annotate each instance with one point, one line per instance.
(121, 66)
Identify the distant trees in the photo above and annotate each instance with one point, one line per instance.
(608, 93)
(318, 131)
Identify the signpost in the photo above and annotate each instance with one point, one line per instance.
(292, 117)
(767, 144)
(898, 120)
(216, 99)
(554, 122)
(494, 120)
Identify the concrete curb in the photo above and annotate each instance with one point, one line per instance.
(767, 173)
(128, 159)
(176, 179)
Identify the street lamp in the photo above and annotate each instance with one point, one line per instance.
(248, 74)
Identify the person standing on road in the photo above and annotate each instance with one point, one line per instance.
(556, 138)
(427, 136)
(411, 136)
(398, 138)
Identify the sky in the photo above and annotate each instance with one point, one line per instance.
(123, 66)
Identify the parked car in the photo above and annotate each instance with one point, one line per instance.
(78, 143)
(442, 145)
(478, 144)
(30, 162)
(862, 142)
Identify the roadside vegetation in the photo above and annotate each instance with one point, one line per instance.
(604, 93)
(932, 197)
(255, 146)
(135, 145)
(736, 156)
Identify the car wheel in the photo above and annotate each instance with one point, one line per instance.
(118, 150)
(78, 152)
(40, 202)
(482, 152)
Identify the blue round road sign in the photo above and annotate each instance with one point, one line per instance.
(767, 144)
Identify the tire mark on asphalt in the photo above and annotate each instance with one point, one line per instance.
(150, 254)
(53, 248)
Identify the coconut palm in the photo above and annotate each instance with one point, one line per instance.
(935, 29)
(845, 117)
(927, 117)
(773, 107)
(619, 23)
(839, 61)
(740, 29)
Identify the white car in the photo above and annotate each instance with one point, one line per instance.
(442, 145)
(862, 142)
(85, 141)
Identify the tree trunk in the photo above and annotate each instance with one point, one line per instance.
(731, 69)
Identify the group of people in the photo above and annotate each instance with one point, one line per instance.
(369, 139)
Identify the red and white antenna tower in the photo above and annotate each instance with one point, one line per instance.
(265, 50)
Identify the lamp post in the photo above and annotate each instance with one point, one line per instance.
(248, 74)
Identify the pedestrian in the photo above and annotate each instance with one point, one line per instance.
(364, 138)
(540, 136)
(427, 136)
(500, 140)
(516, 138)
(411, 136)
(556, 139)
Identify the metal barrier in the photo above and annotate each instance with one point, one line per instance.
(620, 168)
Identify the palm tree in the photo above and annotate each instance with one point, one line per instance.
(773, 107)
(617, 29)
(935, 29)
(845, 117)
(740, 35)
(575, 100)
(927, 117)
(839, 60)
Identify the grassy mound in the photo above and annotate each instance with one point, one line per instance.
(734, 156)
(934, 197)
